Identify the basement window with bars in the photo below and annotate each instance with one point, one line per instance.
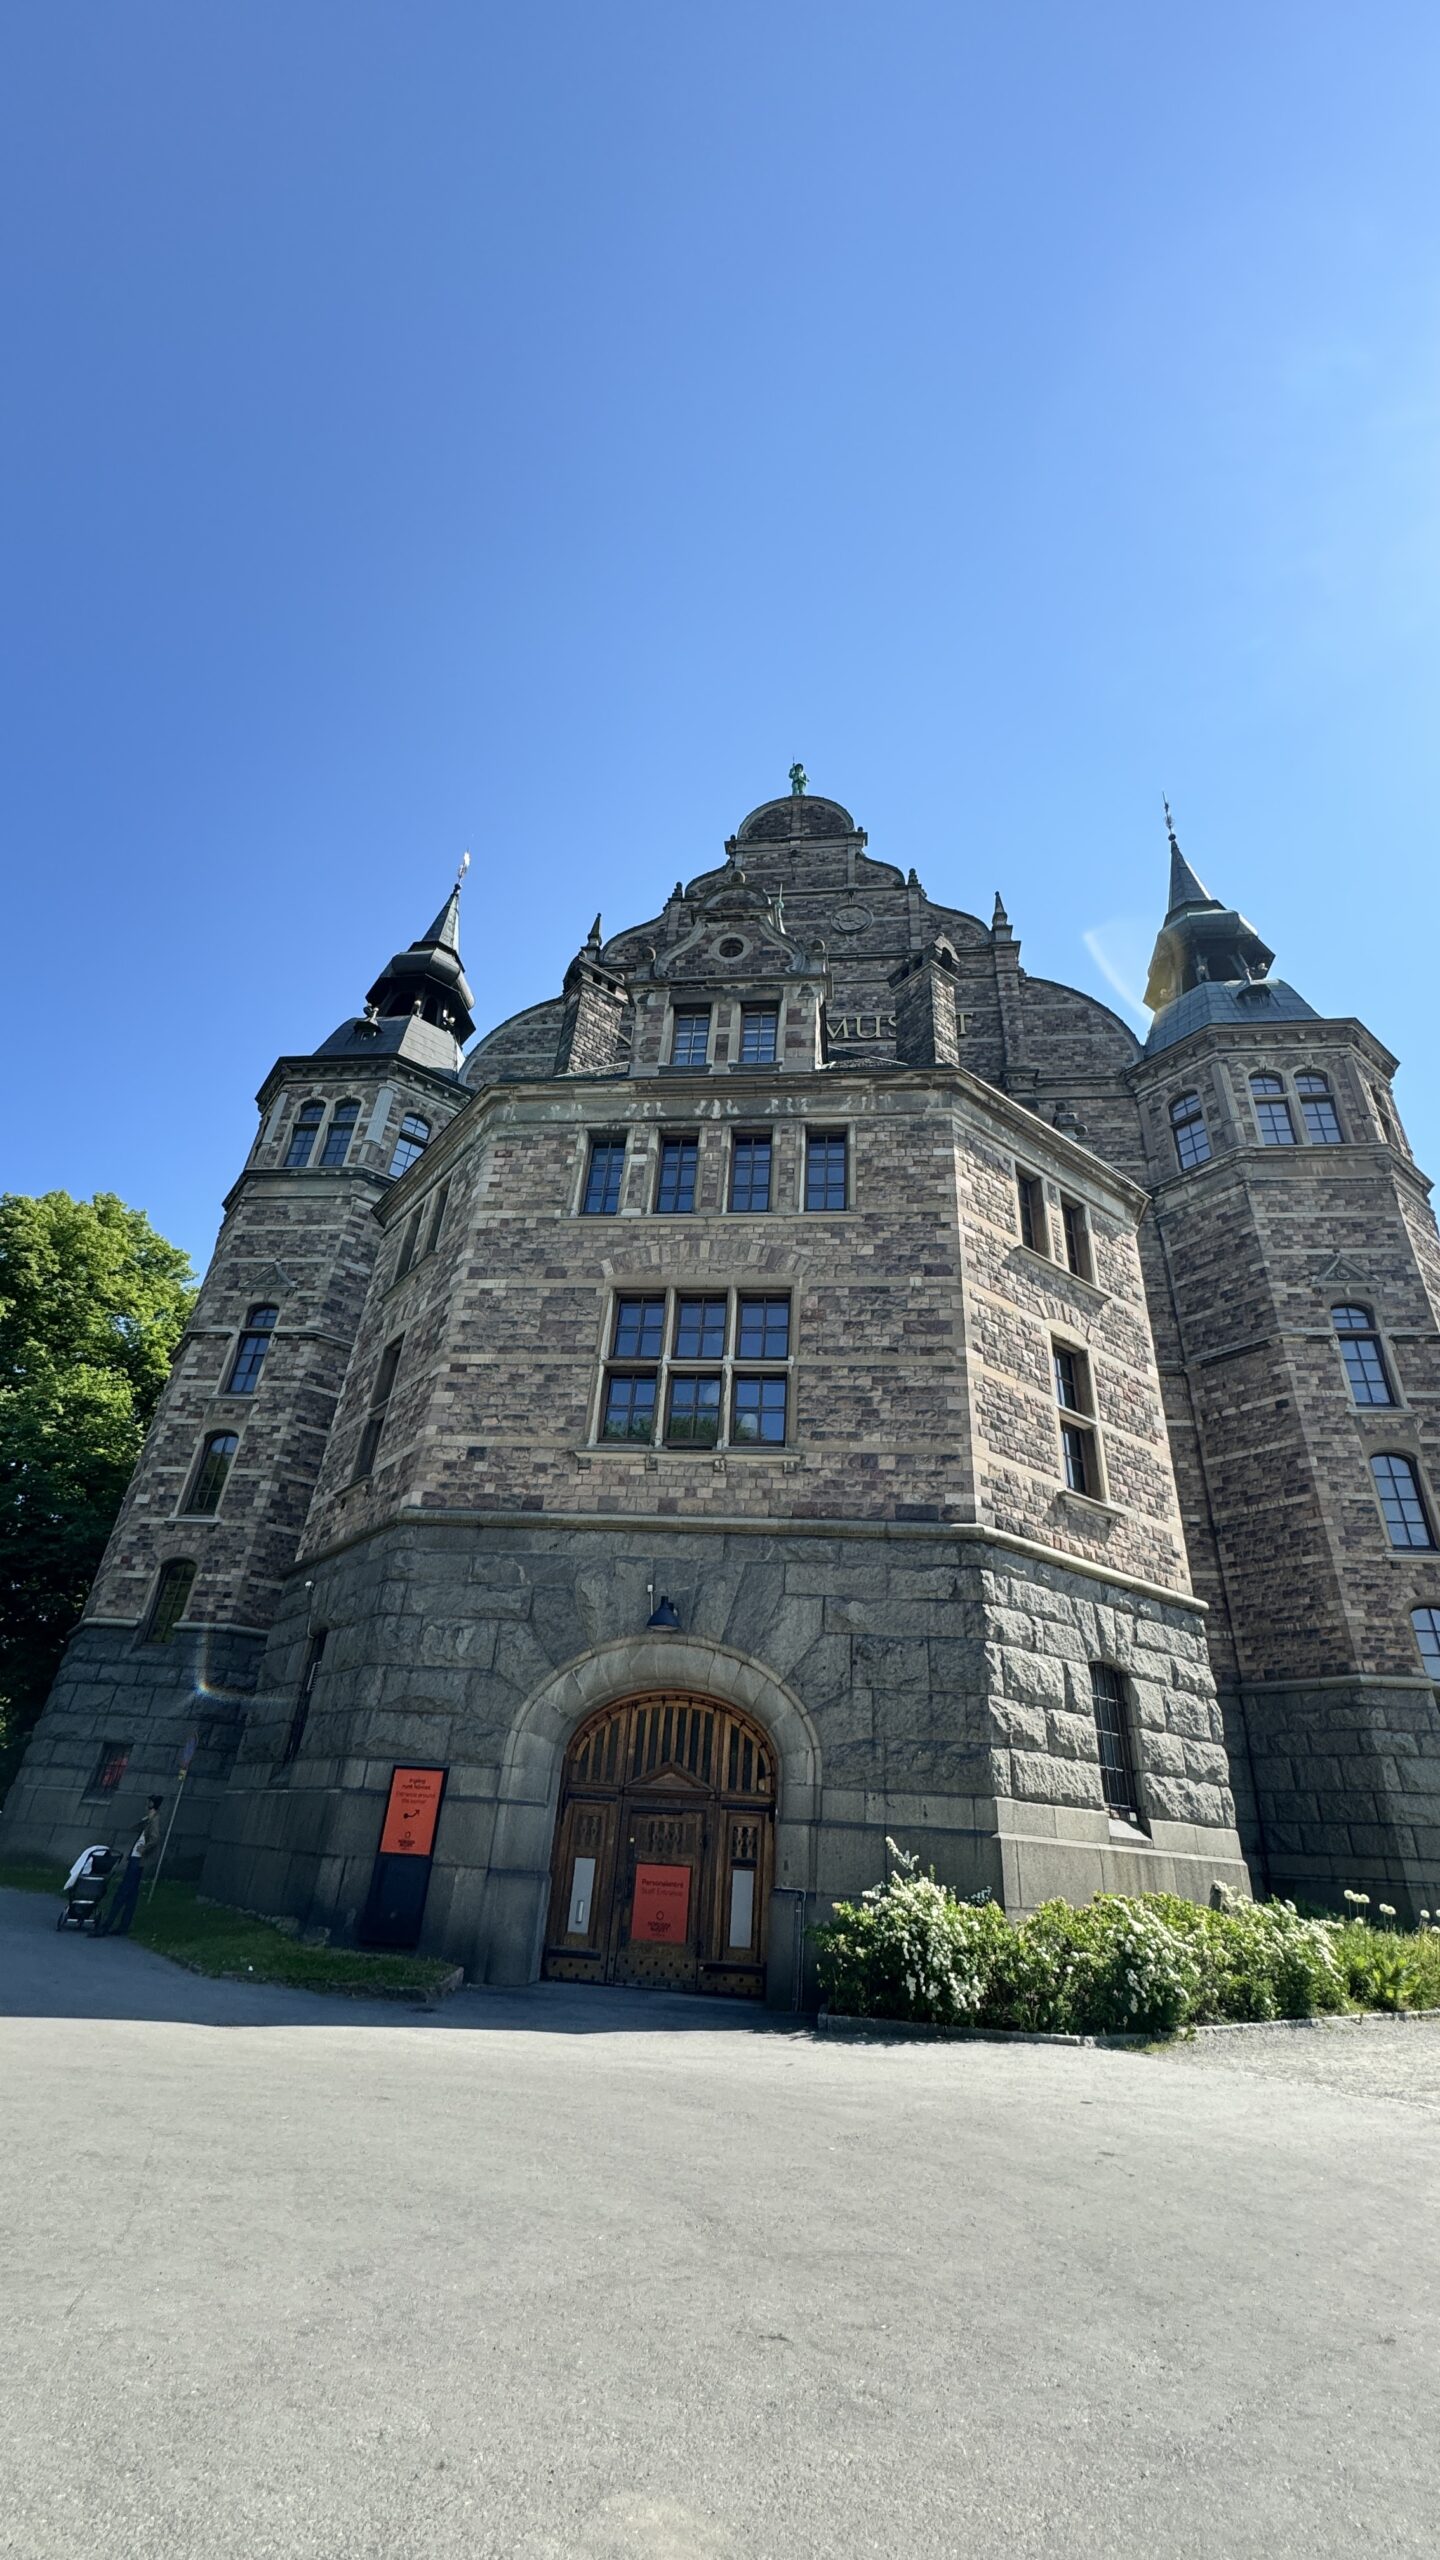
(1364, 1360)
(108, 1775)
(698, 1370)
(295, 1733)
(1117, 1754)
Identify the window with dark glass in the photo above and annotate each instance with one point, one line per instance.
(340, 1133)
(304, 1133)
(1272, 1112)
(1076, 1228)
(438, 1205)
(1317, 1110)
(759, 1028)
(301, 1717)
(1406, 1518)
(172, 1594)
(639, 1328)
(750, 1173)
(1364, 1360)
(675, 1190)
(411, 1144)
(629, 1407)
(1072, 1385)
(210, 1474)
(758, 1409)
(108, 1774)
(700, 1328)
(1426, 1623)
(603, 1177)
(1031, 1197)
(1192, 1138)
(250, 1351)
(763, 1329)
(1077, 1438)
(373, 1432)
(691, 1044)
(1112, 1733)
(826, 1170)
(693, 1420)
(409, 1243)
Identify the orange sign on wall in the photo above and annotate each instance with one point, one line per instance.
(660, 1912)
(412, 1813)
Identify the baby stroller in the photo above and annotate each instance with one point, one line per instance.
(84, 1888)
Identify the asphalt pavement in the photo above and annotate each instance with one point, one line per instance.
(556, 2273)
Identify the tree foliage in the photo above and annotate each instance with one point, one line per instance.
(92, 1304)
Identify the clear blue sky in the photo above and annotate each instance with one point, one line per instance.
(530, 427)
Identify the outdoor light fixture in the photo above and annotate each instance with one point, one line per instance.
(663, 1614)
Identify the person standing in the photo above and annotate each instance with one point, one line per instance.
(122, 1909)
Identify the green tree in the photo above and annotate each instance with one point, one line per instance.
(92, 1305)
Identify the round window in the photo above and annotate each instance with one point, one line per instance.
(732, 947)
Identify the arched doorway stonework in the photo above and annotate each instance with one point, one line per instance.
(520, 1870)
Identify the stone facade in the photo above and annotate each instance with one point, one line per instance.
(1022, 1424)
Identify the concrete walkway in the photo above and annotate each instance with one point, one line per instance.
(538, 2275)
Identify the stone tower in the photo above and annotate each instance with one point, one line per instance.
(1302, 1376)
(180, 1610)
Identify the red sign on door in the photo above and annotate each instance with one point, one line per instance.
(660, 1912)
(412, 1813)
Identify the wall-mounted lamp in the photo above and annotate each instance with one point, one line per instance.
(663, 1614)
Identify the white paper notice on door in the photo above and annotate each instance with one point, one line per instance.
(582, 1886)
(742, 1906)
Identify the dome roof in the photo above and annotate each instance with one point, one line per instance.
(800, 813)
(1253, 1002)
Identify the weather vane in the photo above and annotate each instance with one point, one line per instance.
(1170, 826)
(799, 781)
(464, 867)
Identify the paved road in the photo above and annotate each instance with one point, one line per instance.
(541, 2276)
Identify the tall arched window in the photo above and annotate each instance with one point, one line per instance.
(1360, 1350)
(340, 1133)
(1272, 1111)
(411, 1144)
(214, 1466)
(172, 1594)
(1317, 1110)
(304, 1133)
(1192, 1138)
(250, 1351)
(1401, 1500)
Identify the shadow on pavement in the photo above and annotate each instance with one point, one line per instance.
(48, 1973)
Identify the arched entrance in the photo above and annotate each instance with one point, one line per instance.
(663, 1849)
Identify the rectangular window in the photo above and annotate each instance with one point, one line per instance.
(1426, 1623)
(1192, 1138)
(1077, 1238)
(629, 1407)
(1031, 1196)
(763, 1330)
(438, 1206)
(759, 1028)
(373, 1432)
(693, 1421)
(1317, 1110)
(1112, 1733)
(603, 1176)
(340, 1133)
(1272, 1112)
(1402, 1502)
(750, 1173)
(409, 1244)
(1072, 1379)
(1081, 1473)
(675, 1191)
(301, 1716)
(211, 1471)
(172, 1595)
(700, 1328)
(304, 1134)
(826, 1186)
(690, 1046)
(758, 1413)
(108, 1774)
(1364, 1360)
(639, 1328)
(250, 1351)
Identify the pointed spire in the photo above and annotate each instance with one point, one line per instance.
(1000, 922)
(444, 934)
(429, 979)
(592, 940)
(1185, 889)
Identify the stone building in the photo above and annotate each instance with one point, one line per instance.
(808, 1382)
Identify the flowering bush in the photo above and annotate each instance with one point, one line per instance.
(1144, 1965)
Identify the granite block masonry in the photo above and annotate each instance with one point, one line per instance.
(807, 1383)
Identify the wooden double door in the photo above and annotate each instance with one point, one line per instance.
(664, 1844)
